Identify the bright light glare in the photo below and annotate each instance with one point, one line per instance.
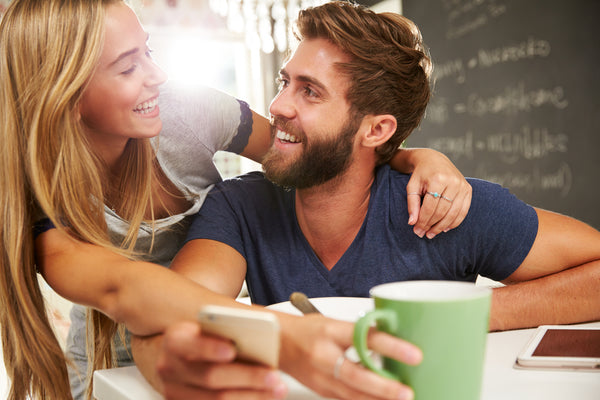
(194, 61)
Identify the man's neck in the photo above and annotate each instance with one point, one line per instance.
(330, 215)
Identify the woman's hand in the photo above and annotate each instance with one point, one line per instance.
(191, 365)
(438, 195)
(313, 352)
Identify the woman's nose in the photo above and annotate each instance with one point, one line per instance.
(156, 75)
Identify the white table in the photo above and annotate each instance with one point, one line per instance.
(501, 380)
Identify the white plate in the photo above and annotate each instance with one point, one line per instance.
(343, 308)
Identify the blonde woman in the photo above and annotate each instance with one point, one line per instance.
(92, 202)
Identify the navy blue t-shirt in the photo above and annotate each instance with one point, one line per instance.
(258, 219)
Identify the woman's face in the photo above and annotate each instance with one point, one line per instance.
(121, 99)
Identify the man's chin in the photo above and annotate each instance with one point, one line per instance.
(276, 163)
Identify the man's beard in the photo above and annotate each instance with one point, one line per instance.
(320, 161)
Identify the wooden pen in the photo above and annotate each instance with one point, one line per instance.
(302, 303)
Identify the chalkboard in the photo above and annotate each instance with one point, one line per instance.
(517, 96)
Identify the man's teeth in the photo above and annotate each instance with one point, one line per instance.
(146, 107)
(287, 137)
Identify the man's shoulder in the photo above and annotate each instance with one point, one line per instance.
(249, 179)
(395, 178)
(251, 185)
(384, 171)
(484, 192)
(247, 199)
(385, 175)
(483, 188)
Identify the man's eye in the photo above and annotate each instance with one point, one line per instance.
(309, 92)
(282, 83)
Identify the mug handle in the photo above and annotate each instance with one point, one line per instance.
(361, 329)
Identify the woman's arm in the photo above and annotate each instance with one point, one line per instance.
(259, 141)
(123, 289)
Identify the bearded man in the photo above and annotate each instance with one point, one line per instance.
(328, 218)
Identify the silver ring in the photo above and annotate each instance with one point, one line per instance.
(447, 199)
(413, 194)
(436, 195)
(337, 369)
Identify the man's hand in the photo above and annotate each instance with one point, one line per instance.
(313, 349)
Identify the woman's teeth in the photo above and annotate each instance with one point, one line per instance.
(286, 137)
(146, 107)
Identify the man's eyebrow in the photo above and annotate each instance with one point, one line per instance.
(283, 72)
(305, 78)
(127, 53)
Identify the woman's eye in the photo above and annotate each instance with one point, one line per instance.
(130, 70)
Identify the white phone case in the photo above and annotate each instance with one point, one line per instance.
(255, 333)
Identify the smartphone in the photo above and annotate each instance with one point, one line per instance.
(255, 333)
(562, 346)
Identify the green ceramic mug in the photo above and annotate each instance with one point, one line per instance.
(447, 320)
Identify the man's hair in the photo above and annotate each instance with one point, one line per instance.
(389, 69)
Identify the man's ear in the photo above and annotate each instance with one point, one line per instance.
(377, 129)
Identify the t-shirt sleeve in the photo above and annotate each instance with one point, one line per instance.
(497, 233)
(204, 115)
(240, 140)
(219, 219)
(41, 226)
(198, 122)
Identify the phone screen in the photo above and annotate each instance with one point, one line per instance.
(569, 343)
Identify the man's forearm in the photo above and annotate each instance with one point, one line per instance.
(570, 296)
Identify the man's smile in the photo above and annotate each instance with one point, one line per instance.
(286, 137)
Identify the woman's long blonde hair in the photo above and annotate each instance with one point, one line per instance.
(48, 51)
